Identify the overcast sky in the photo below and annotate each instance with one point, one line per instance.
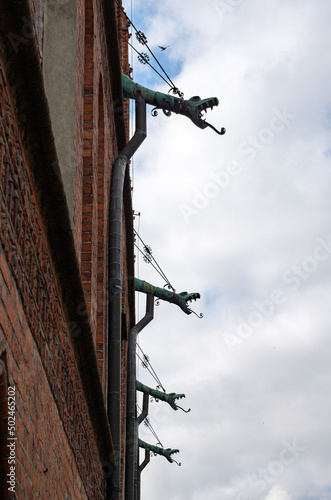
(243, 219)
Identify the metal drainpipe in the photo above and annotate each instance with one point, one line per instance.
(115, 292)
(132, 426)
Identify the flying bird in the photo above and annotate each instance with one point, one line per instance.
(163, 48)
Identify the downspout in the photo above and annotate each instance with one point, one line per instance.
(132, 425)
(115, 292)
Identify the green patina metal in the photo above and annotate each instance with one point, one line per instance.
(192, 108)
(180, 299)
(165, 452)
(162, 396)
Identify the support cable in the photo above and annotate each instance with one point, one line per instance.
(147, 364)
(149, 259)
(144, 58)
(149, 426)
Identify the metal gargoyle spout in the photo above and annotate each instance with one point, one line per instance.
(162, 396)
(192, 108)
(165, 452)
(180, 299)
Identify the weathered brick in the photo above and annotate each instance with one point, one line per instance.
(33, 323)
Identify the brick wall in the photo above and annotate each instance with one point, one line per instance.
(96, 151)
(45, 464)
(56, 450)
(90, 172)
(95, 134)
(78, 184)
(53, 427)
(123, 30)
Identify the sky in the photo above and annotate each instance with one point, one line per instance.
(243, 219)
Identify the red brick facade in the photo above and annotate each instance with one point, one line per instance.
(34, 335)
(59, 452)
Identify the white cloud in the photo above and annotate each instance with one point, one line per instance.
(258, 232)
(277, 493)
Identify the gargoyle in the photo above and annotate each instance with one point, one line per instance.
(162, 396)
(192, 108)
(180, 299)
(165, 452)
